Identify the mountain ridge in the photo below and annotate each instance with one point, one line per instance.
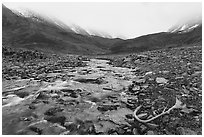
(51, 35)
(19, 31)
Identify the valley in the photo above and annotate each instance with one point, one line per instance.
(61, 80)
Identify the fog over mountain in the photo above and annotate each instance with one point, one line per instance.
(34, 30)
(123, 20)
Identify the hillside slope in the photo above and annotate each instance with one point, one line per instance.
(41, 34)
(158, 41)
(44, 34)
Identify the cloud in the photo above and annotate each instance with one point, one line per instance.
(128, 19)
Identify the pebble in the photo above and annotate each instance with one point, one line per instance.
(150, 132)
(143, 128)
(139, 81)
(56, 119)
(135, 131)
(136, 88)
(149, 73)
(161, 80)
(185, 131)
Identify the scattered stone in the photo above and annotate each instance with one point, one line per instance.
(185, 131)
(65, 133)
(104, 126)
(53, 111)
(42, 96)
(143, 128)
(136, 88)
(165, 72)
(161, 80)
(103, 104)
(149, 73)
(106, 107)
(22, 94)
(135, 131)
(150, 132)
(139, 81)
(56, 119)
(55, 95)
(55, 129)
(35, 129)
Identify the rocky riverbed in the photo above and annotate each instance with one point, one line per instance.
(99, 96)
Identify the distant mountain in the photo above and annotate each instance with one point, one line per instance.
(70, 27)
(37, 32)
(186, 37)
(33, 31)
(186, 26)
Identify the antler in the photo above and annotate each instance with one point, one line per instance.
(176, 105)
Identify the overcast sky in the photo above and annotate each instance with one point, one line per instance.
(118, 19)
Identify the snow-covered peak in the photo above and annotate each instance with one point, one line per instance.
(186, 26)
(79, 30)
(99, 33)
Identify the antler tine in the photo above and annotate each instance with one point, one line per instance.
(176, 105)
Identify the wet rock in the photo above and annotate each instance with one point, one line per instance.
(92, 81)
(161, 80)
(70, 99)
(149, 73)
(36, 130)
(99, 96)
(128, 131)
(120, 131)
(32, 106)
(27, 118)
(22, 94)
(106, 107)
(197, 73)
(71, 126)
(38, 126)
(145, 86)
(53, 111)
(114, 133)
(55, 95)
(104, 127)
(139, 81)
(129, 116)
(65, 133)
(56, 119)
(54, 129)
(28, 132)
(127, 60)
(117, 116)
(165, 71)
(67, 90)
(136, 88)
(11, 100)
(74, 95)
